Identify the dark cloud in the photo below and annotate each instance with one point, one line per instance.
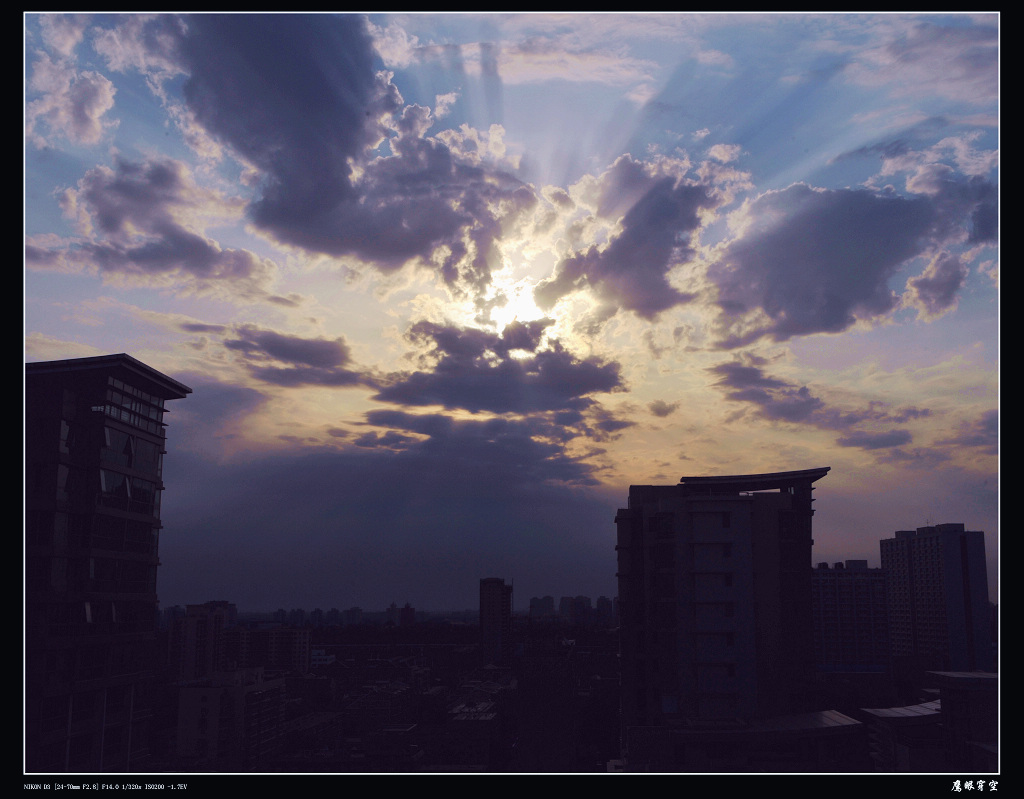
(816, 261)
(662, 409)
(886, 440)
(916, 458)
(631, 272)
(982, 433)
(476, 370)
(531, 445)
(390, 440)
(779, 401)
(199, 327)
(423, 523)
(972, 203)
(318, 352)
(775, 399)
(298, 97)
(293, 360)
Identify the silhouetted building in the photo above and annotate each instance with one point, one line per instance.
(851, 625)
(958, 732)
(937, 595)
(202, 641)
(970, 719)
(94, 446)
(230, 721)
(715, 599)
(542, 607)
(278, 649)
(496, 619)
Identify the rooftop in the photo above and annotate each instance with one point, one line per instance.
(158, 383)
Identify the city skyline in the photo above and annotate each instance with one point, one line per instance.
(446, 286)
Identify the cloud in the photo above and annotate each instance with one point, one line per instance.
(934, 292)
(63, 32)
(886, 440)
(477, 371)
(532, 447)
(982, 433)
(661, 409)
(147, 43)
(298, 99)
(72, 104)
(290, 361)
(777, 400)
(136, 222)
(631, 271)
(319, 353)
(816, 261)
(959, 63)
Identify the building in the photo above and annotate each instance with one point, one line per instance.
(937, 595)
(276, 648)
(851, 624)
(202, 643)
(496, 619)
(94, 446)
(230, 721)
(715, 599)
(956, 733)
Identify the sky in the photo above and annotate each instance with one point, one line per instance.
(445, 286)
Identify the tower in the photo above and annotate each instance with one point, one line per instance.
(94, 446)
(715, 598)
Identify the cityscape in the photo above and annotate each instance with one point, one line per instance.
(511, 394)
(723, 652)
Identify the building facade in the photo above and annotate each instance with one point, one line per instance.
(496, 619)
(94, 446)
(202, 641)
(851, 623)
(715, 598)
(937, 595)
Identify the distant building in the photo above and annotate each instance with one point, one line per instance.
(94, 446)
(202, 644)
(278, 649)
(496, 619)
(937, 595)
(851, 624)
(542, 607)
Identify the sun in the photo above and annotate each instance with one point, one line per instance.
(518, 306)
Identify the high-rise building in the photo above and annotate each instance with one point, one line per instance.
(851, 625)
(94, 446)
(937, 594)
(496, 619)
(715, 598)
(203, 652)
